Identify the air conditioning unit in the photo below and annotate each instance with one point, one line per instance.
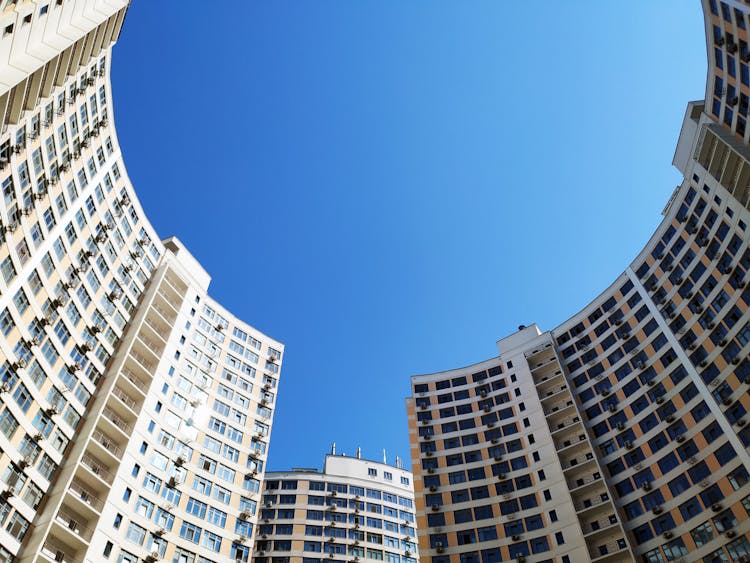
(435, 507)
(646, 486)
(628, 445)
(5, 387)
(159, 532)
(716, 507)
(657, 510)
(667, 535)
(515, 537)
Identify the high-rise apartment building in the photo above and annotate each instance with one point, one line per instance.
(135, 411)
(354, 510)
(622, 434)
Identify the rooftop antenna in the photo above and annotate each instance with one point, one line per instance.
(398, 462)
(359, 453)
(333, 448)
(384, 459)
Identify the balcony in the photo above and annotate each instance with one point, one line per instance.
(158, 327)
(545, 369)
(579, 484)
(562, 425)
(117, 421)
(170, 297)
(578, 461)
(594, 502)
(547, 394)
(105, 444)
(126, 400)
(97, 468)
(135, 382)
(85, 497)
(167, 307)
(59, 552)
(599, 526)
(142, 361)
(539, 354)
(611, 551)
(166, 316)
(557, 409)
(73, 526)
(175, 284)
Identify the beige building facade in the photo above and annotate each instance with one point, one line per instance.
(135, 411)
(354, 510)
(622, 434)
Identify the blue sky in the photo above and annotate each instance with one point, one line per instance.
(390, 187)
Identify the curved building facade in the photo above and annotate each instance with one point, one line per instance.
(135, 411)
(623, 433)
(354, 510)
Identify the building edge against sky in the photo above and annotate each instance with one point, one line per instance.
(623, 433)
(355, 509)
(135, 411)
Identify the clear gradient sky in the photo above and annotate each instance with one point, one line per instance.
(388, 187)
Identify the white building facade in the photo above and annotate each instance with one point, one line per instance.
(135, 411)
(354, 510)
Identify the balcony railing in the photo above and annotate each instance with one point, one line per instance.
(86, 496)
(117, 421)
(72, 523)
(607, 549)
(590, 503)
(58, 553)
(125, 398)
(97, 468)
(134, 379)
(107, 443)
(576, 461)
